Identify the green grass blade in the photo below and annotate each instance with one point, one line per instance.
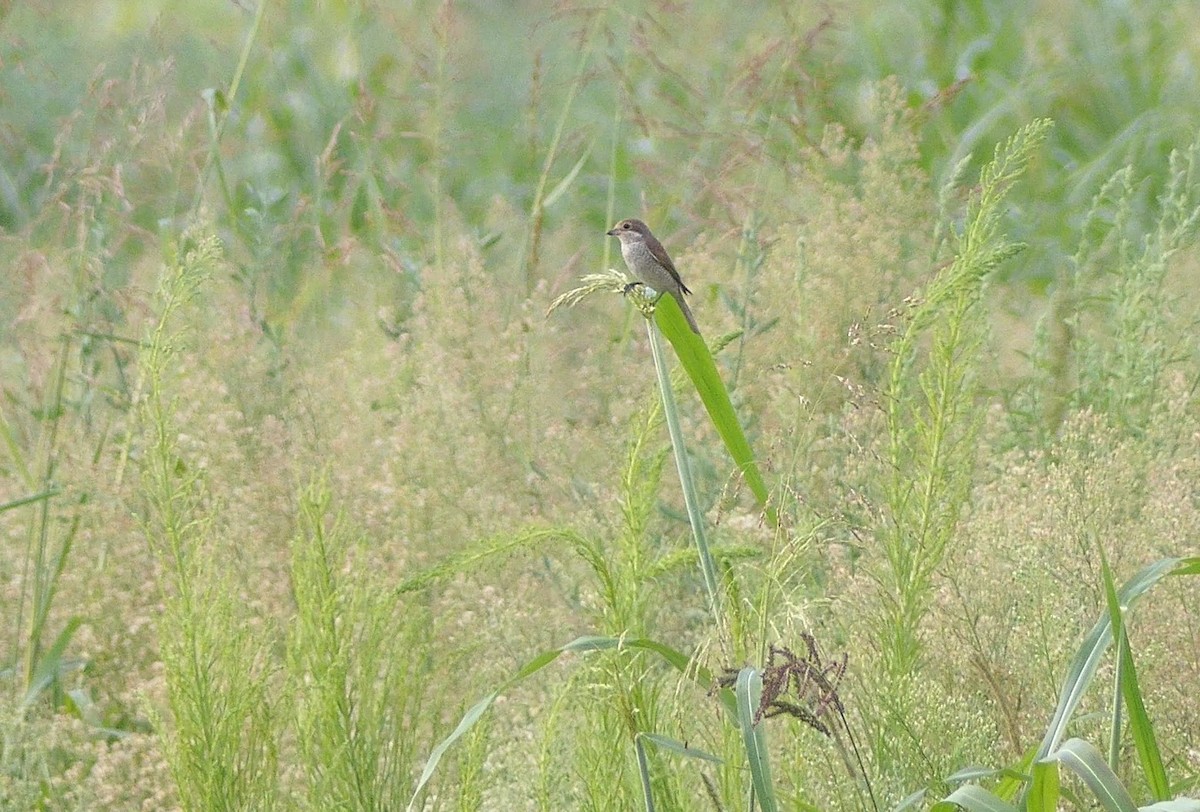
(974, 798)
(26, 500)
(1083, 666)
(1088, 763)
(579, 645)
(600, 643)
(910, 802)
(644, 774)
(665, 743)
(690, 497)
(1190, 566)
(50, 663)
(1118, 631)
(475, 713)
(561, 187)
(676, 746)
(700, 367)
(1016, 777)
(1140, 727)
(749, 692)
(978, 773)
(1043, 788)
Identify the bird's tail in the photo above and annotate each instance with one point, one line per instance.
(687, 314)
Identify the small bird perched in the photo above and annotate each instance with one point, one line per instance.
(648, 261)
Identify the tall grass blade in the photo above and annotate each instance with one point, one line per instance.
(563, 185)
(49, 665)
(749, 692)
(1087, 659)
(644, 774)
(1140, 727)
(686, 482)
(27, 500)
(676, 746)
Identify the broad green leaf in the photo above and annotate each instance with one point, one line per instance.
(1043, 788)
(1088, 763)
(700, 367)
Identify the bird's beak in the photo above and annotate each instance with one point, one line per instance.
(612, 232)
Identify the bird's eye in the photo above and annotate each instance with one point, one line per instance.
(626, 226)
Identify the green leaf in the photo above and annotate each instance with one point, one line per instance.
(25, 500)
(644, 774)
(687, 482)
(1043, 788)
(50, 665)
(1190, 566)
(1015, 777)
(910, 802)
(473, 715)
(1176, 805)
(1140, 727)
(974, 798)
(1087, 659)
(579, 645)
(976, 773)
(754, 739)
(700, 367)
(676, 746)
(1088, 763)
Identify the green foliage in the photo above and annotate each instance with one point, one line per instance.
(1042, 786)
(356, 673)
(931, 418)
(219, 737)
(1110, 340)
(1112, 75)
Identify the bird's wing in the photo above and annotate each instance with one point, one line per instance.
(660, 254)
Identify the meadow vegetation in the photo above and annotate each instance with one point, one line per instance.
(297, 473)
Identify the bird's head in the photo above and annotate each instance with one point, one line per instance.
(630, 231)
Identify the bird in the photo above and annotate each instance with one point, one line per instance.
(649, 262)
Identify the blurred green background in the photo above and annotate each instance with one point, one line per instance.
(393, 100)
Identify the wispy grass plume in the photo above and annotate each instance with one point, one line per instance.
(218, 733)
